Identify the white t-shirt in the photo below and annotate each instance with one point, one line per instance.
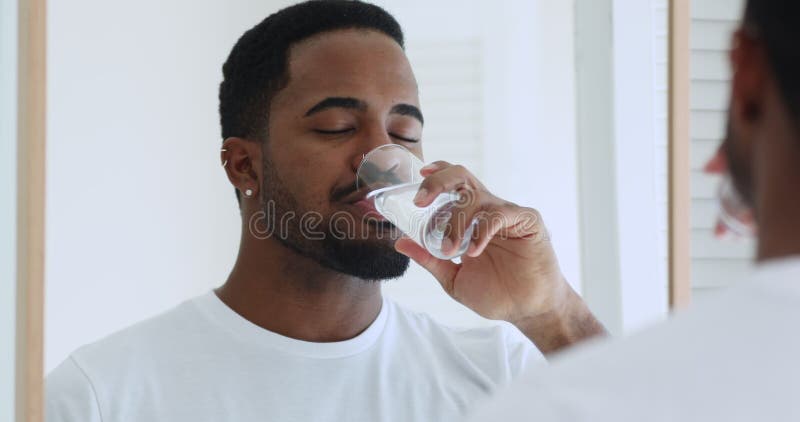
(203, 362)
(737, 358)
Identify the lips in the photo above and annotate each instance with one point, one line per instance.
(367, 206)
(364, 208)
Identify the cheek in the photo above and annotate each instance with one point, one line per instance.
(309, 167)
(311, 178)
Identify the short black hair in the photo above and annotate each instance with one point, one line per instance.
(777, 24)
(256, 68)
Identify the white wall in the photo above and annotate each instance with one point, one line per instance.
(8, 203)
(139, 213)
(531, 117)
(621, 109)
(640, 81)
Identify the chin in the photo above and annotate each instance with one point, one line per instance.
(370, 260)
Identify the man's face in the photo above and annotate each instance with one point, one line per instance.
(349, 91)
(744, 113)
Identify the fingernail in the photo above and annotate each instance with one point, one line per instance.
(420, 195)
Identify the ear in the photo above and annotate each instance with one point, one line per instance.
(241, 159)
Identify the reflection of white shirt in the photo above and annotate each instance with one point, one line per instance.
(735, 359)
(203, 362)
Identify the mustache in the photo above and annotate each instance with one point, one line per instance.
(337, 194)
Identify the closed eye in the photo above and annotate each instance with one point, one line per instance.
(347, 130)
(403, 138)
(333, 132)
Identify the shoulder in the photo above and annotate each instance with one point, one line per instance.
(497, 345)
(152, 335)
(70, 395)
(135, 348)
(76, 387)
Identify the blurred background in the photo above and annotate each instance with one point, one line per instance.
(558, 105)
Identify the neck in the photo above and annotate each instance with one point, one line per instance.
(286, 293)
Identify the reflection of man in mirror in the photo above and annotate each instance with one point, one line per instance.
(300, 330)
(735, 356)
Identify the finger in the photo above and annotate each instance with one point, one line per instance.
(463, 212)
(488, 224)
(433, 167)
(507, 221)
(444, 180)
(444, 271)
(526, 223)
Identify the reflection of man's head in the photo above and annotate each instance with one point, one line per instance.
(317, 85)
(766, 60)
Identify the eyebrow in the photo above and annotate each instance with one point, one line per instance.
(408, 110)
(356, 104)
(337, 102)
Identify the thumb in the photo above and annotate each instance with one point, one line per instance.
(443, 270)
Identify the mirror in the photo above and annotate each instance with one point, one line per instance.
(140, 215)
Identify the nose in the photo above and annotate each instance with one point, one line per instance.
(372, 138)
(717, 164)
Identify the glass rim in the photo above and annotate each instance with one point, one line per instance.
(378, 149)
(386, 146)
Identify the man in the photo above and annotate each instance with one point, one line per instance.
(736, 358)
(300, 331)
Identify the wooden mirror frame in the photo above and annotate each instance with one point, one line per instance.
(31, 123)
(679, 165)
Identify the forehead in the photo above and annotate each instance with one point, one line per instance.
(357, 63)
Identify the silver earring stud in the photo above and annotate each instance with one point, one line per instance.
(248, 192)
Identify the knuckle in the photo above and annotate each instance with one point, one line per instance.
(535, 214)
(460, 169)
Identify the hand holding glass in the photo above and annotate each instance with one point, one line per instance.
(391, 175)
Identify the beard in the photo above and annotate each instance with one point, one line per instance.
(364, 257)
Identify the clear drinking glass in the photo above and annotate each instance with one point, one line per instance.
(390, 173)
